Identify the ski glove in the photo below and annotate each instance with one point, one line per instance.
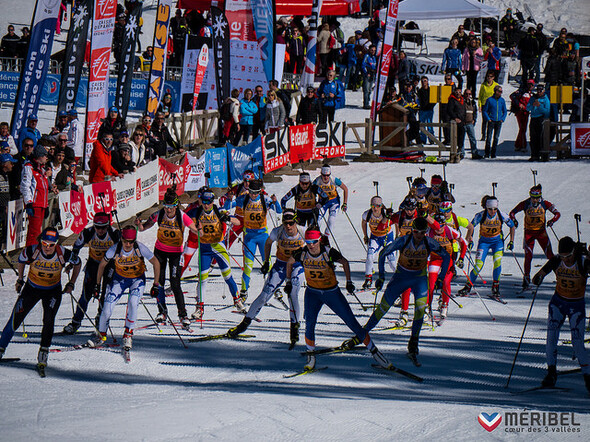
(470, 245)
(460, 263)
(550, 223)
(516, 223)
(379, 284)
(155, 291)
(510, 246)
(265, 267)
(224, 218)
(29, 209)
(288, 288)
(350, 288)
(537, 279)
(438, 284)
(344, 207)
(366, 239)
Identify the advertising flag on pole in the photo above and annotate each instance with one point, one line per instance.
(158, 67)
(308, 77)
(200, 73)
(127, 59)
(74, 57)
(264, 27)
(221, 53)
(36, 64)
(103, 26)
(385, 59)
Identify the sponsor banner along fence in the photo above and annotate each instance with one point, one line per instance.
(142, 189)
(580, 134)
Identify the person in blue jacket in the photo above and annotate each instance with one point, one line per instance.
(248, 109)
(539, 108)
(494, 112)
(331, 92)
(29, 131)
(350, 59)
(452, 62)
(369, 68)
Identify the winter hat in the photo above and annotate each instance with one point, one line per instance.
(420, 225)
(289, 215)
(304, 177)
(313, 234)
(102, 219)
(39, 151)
(129, 233)
(566, 245)
(492, 203)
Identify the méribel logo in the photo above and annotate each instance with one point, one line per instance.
(489, 421)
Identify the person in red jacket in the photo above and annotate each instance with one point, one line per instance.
(100, 160)
(34, 188)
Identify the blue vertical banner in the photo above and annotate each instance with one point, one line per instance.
(244, 158)
(36, 64)
(263, 12)
(216, 165)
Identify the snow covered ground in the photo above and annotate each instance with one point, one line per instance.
(235, 390)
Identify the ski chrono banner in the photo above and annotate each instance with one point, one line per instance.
(103, 26)
(74, 57)
(308, 76)
(263, 13)
(127, 59)
(36, 64)
(385, 59)
(221, 53)
(158, 67)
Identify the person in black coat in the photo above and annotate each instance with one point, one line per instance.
(121, 160)
(457, 112)
(310, 108)
(529, 53)
(113, 124)
(552, 69)
(161, 138)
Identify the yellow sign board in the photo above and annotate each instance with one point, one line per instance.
(561, 94)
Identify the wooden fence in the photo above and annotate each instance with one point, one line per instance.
(363, 136)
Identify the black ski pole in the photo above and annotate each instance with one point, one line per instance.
(521, 337)
(9, 262)
(150, 315)
(578, 218)
(556, 237)
(355, 231)
(376, 184)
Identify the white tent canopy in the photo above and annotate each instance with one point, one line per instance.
(440, 9)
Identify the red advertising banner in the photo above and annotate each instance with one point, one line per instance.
(301, 142)
(170, 173)
(321, 153)
(239, 16)
(580, 134)
(200, 73)
(99, 197)
(77, 208)
(275, 150)
(103, 26)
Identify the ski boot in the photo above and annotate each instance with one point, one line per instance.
(443, 310)
(496, 289)
(234, 332)
(98, 340)
(161, 318)
(465, 290)
(294, 334)
(185, 322)
(413, 351)
(199, 310)
(526, 281)
(244, 294)
(379, 358)
(42, 360)
(71, 328)
(310, 365)
(127, 339)
(551, 377)
(239, 305)
(403, 319)
(349, 344)
(368, 282)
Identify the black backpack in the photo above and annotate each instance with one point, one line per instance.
(225, 110)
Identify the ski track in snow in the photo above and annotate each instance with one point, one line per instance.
(232, 390)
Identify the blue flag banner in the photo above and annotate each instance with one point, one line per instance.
(216, 165)
(36, 64)
(244, 158)
(263, 13)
